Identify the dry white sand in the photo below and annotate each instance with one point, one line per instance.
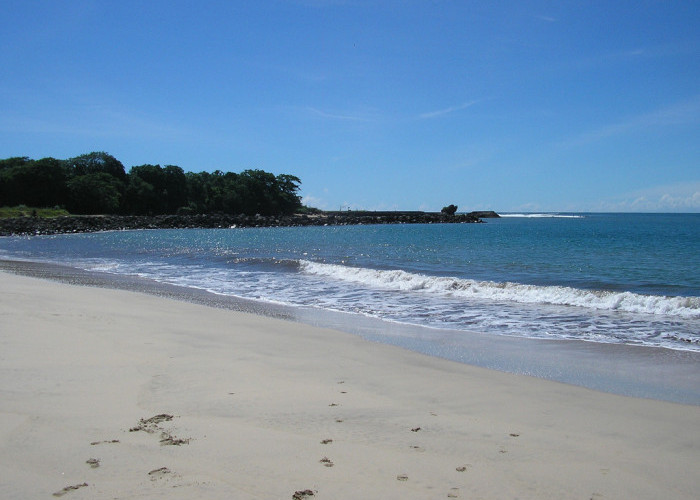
(264, 408)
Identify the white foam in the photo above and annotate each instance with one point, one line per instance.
(544, 216)
(682, 307)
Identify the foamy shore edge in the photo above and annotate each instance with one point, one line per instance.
(267, 408)
(638, 371)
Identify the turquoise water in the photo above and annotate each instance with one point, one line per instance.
(607, 278)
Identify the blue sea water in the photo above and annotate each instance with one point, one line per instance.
(604, 278)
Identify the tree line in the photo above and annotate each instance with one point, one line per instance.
(97, 183)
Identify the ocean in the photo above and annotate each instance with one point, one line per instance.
(623, 279)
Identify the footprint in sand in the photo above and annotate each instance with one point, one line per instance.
(150, 425)
(167, 439)
(94, 463)
(158, 473)
(327, 462)
(69, 488)
(301, 494)
(454, 493)
(402, 477)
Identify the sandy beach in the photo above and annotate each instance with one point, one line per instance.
(116, 394)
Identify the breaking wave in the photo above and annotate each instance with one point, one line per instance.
(544, 216)
(398, 280)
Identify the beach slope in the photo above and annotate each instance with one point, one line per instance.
(116, 394)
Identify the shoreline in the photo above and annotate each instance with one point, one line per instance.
(253, 407)
(627, 370)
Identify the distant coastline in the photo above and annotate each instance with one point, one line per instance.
(92, 223)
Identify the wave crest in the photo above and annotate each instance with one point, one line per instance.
(398, 280)
(543, 216)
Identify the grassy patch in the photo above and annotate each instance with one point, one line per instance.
(24, 211)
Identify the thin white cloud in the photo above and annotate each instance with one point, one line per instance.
(336, 116)
(549, 19)
(446, 111)
(315, 202)
(96, 120)
(682, 197)
(684, 112)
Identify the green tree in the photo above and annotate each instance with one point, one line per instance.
(139, 196)
(40, 183)
(288, 186)
(144, 193)
(156, 190)
(97, 162)
(96, 193)
(174, 188)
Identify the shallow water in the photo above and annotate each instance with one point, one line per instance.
(629, 279)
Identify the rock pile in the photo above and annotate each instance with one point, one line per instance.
(93, 223)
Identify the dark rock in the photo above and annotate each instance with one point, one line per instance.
(485, 214)
(92, 223)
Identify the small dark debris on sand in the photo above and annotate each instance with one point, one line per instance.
(334, 404)
(402, 477)
(327, 462)
(159, 472)
(69, 488)
(461, 468)
(105, 442)
(415, 429)
(327, 441)
(301, 494)
(169, 439)
(150, 425)
(513, 435)
(94, 463)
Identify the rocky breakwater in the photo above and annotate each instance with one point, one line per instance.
(93, 223)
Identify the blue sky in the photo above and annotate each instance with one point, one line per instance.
(510, 106)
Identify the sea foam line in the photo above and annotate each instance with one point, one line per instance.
(398, 280)
(543, 216)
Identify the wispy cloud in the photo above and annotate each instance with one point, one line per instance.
(682, 197)
(337, 115)
(314, 201)
(97, 122)
(640, 54)
(446, 111)
(549, 19)
(684, 112)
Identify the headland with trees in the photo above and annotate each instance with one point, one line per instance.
(93, 192)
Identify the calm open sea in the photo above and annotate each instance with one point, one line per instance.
(607, 278)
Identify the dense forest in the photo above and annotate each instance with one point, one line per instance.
(97, 183)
